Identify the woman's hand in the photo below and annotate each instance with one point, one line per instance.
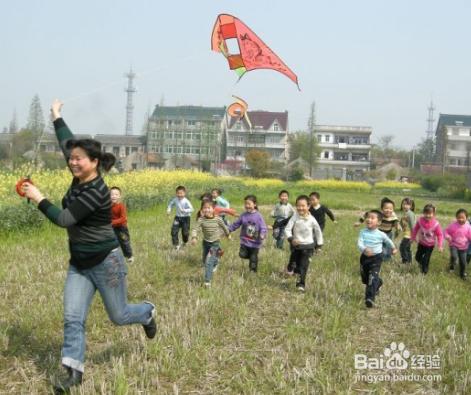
(32, 192)
(56, 109)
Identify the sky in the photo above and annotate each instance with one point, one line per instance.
(371, 63)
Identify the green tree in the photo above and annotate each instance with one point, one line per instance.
(23, 141)
(4, 151)
(259, 162)
(424, 152)
(300, 146)
(36, 121)
(13, 127)
(385, 151)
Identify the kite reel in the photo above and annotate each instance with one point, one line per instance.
(19, 185)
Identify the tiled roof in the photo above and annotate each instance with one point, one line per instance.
(453, 120)
(264, 119)
(188, 112)
(120, 139)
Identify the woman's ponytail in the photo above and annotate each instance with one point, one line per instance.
(107, 161)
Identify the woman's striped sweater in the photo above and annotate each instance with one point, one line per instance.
(86, 213)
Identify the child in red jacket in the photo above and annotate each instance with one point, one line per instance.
(119, 221)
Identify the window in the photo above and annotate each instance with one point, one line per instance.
(326, 155)
(191, 123)
(256, 139)
(276, 127)
(327, 138)
(238, 126)
(319, 138)
(188, 135)
(134, 149)
(115, 151)
(178, 135)
(127, 150)
(340, 156)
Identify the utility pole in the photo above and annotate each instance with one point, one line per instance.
(311, 124)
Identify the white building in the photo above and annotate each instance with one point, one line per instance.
(453, 142)
(268, 132)
(345, 151)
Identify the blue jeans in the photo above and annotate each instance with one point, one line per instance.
(387, 251)
(109, 278)
(210, 258)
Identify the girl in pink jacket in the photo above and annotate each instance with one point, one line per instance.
(427, 232)
(458, 235)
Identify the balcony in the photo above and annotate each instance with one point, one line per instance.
(344, 163)
(235, 144)
(345, 146)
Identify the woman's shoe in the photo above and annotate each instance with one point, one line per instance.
(74, 379)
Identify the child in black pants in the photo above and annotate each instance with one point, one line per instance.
(300, 232)
(183, 209)
(370, 243)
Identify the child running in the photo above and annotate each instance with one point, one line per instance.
(389, 225)
(220, 211)
(458, 235)
(300, 233)
(407, 224)
(212, 227)
(428, 233)
(119, 221)
(319, 211)
(282, 212)
(370, 244)
(183, 209)
(253, 232)
(220, 201)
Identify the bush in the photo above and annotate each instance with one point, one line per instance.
(296, 174)
(432, 183)
(391, 175)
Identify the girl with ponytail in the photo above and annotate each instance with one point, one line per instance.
(96, 262)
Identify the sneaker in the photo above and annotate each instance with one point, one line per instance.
(151, 328)
(177, 247)
(74, 379)
(130, 259)
(369, 303)
(207, 284)
(289, 273)
(300, 288)
(451, 269)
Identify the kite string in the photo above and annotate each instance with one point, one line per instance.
(117, 82)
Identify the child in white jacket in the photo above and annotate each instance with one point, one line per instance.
(305, 235)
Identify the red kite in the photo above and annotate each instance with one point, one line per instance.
(253, 52)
